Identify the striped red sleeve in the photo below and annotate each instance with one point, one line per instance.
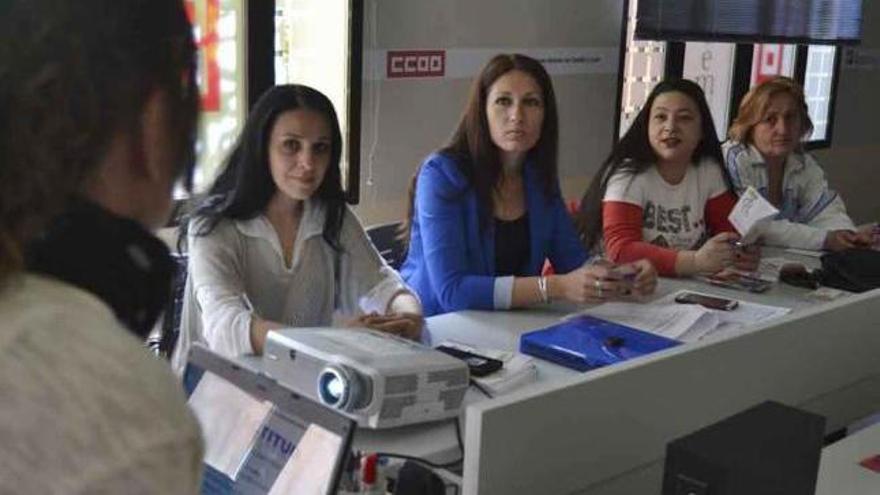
(717, 210)
(622, 229)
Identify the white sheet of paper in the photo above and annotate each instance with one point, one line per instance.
(683, 322)
(745, 314)
(749, 213)
(518, 370)
(748, 313)
(230, 419)
(673, 321)
(703, 328)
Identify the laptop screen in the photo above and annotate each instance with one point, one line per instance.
(260, 438)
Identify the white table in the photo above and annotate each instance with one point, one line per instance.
(502, 329)
(839, 469)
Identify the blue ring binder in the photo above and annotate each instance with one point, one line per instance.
(586, 342)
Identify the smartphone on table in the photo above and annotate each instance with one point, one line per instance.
(710, 302)
(479, 365)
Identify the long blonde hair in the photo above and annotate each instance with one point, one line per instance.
(754, 106)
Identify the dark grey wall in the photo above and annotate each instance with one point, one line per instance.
(853, 161)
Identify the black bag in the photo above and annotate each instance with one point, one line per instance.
(854, 270)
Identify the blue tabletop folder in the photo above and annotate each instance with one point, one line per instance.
(586, 342)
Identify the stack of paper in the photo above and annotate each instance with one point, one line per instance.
(684, 322)
(518, 369)
(674, 321)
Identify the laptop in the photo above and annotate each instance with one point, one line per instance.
(260, 437)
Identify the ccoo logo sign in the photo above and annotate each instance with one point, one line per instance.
(415, 63)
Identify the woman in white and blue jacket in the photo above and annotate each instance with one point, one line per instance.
(765, 152)
(486, 211)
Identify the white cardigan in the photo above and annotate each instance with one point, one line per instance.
(238, 270)
(809, 208)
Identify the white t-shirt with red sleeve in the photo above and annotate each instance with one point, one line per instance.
(646, 217)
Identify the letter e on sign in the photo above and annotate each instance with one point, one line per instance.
(415, 63)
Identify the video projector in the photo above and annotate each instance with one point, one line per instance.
(377, 379)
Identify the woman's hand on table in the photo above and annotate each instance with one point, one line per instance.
(406, 325)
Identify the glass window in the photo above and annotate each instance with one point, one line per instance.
(312, 45)
(218, 26)
(644, 66)
(818, 84)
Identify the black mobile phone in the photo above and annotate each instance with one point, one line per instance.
(479, 365)
(706, 301)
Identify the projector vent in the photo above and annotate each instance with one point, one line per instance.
(393, 407)
(452, 398)
(452, 378)
(401, 384)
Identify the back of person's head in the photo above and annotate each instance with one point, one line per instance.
(754, 105)
(74, 75)
(633, 153)
(471, 142)
(245, 186)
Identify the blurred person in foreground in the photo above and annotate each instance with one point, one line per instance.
(98, 109)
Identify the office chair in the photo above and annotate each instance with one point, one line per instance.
(384, 238)
(171, 318)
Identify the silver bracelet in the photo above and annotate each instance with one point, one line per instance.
(542, 288)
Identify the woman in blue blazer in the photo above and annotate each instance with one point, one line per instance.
(486, 210)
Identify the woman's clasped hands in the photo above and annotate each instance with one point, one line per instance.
(724, 251)
(601, 280)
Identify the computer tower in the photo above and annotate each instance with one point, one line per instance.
(769, 449)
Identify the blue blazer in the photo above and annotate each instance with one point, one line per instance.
(451, 257)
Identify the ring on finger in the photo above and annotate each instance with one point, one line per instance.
(598, 285)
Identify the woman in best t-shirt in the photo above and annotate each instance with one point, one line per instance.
(663, 193)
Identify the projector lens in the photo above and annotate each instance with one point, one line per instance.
(333, 387)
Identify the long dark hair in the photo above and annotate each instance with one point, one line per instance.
(471, 143)
(244, 187)
(633, 153)
(73, 75)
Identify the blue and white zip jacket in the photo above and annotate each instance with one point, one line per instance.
(809, 210)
